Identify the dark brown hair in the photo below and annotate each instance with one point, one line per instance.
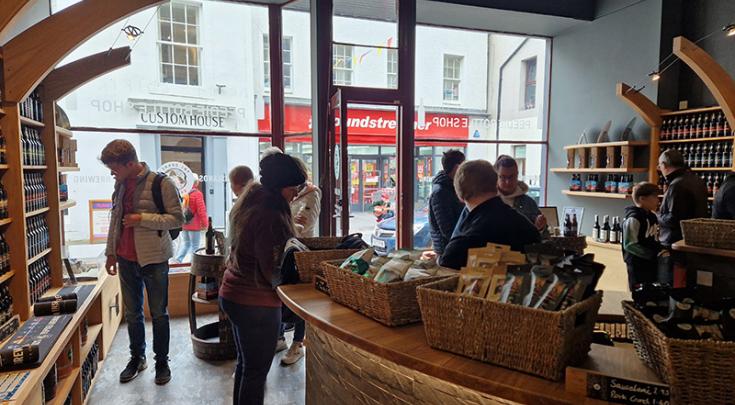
(119, 151)
(452, 158)
(241, 175)
(644, 189)
(505, 161)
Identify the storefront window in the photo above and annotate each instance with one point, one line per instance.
(529, 85)
(452, 77)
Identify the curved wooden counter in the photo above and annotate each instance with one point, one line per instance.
(406, 347)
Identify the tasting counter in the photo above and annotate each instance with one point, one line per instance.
(351, 359)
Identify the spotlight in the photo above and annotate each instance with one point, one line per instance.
(132, 32)
(729, 30)
(655, 75)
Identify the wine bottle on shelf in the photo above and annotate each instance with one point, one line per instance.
(567, 230)
(575, 226)
(209, 238)
(716, 186)
(605, 231)
(596, 229)
(615, 231)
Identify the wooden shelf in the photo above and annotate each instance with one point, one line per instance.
(204, 302)
(63, 132)
(721, 138)
(39, 167)
(592, 242)
(37, 212)
(94, 380)
(93, 331)
(711, 169)
(31, 123)
(2, 112)
(4, 166)
(690, 111)
(7, 276)
(64, 387)
(38, 257)
(5, 221)
(68, 169)
(65, 205)
(600, 170)
(606, 144)
(615, 196)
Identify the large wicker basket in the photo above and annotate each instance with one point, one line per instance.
(322, 248)
(535, 341)
(697, 371)
(391, 304)
(709, 233)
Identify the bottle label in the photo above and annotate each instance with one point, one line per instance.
(604, 235)
(595, 234)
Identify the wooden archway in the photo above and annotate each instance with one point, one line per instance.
(65, 79)
(8, 10)
(30, 56)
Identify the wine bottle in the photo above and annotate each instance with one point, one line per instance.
(615, 233)
(209, 238)
(567, 226)
(605, 232)
(596, 229)
(575, 226)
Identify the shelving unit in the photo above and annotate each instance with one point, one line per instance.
(7, 276)
(715, 139)
(65, 169)
(614, 196)
(604, 170)
(36, 212)
(31, 122)
(65, 205)
(64, 387)
(5, 221)
(39, 256)
(608, 157)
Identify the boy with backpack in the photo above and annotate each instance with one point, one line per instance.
(146, 214)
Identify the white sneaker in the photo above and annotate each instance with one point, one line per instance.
(294, 354)
(281, 345)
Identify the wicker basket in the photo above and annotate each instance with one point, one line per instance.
(535, 341)
(697, 371)
(709, 233)
(391, 304)
(309, 263)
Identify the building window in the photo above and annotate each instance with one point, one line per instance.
(519, 154)
(179, 44)
(392, 68)
(342, 65)
(529, 84)
(287, 55)
(452, 74)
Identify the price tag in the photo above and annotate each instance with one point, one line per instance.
(624, 391)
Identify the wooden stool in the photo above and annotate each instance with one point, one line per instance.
(213, 341)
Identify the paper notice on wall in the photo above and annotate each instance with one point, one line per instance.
(99, 220)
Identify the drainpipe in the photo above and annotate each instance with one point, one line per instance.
(500, 85)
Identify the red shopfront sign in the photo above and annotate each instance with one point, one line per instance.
(376, 127)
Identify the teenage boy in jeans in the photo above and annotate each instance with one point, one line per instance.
(139, 245)
(640, 236)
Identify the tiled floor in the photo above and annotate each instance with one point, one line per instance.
(194, 381)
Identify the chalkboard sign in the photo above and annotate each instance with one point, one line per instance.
(624, 391)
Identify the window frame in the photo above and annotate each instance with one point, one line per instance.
(529, 85)
(347, 58)
(455, 80)
(161, 43)
(391, 68)
(287, 66)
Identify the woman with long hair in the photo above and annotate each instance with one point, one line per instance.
(261, 225)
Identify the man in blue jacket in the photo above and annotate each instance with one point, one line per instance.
(444, 206)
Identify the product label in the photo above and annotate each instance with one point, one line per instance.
(624, 391)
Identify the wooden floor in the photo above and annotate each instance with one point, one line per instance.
(194, 381)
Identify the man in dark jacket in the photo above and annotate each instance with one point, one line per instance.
(489, 219)
(686, 197)
(444, 206)
(724, 205)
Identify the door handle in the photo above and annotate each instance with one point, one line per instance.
(116, 305)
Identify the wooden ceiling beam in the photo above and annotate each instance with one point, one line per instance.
(647, 109)
(717, 80)
(8, 10)
(65, 79)
(31, 55)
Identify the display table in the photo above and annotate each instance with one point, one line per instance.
(353, 359)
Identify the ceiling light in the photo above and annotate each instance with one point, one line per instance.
(132, 32)
(655, 75)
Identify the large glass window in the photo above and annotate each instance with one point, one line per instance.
(287, 63)
(452, 76)
(342, 65)
(179, 43)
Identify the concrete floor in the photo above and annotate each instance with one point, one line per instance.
(193, 381)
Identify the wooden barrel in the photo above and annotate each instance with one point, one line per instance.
(204, 265)
(214, 342)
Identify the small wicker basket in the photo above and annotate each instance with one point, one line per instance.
(709, 233)
(697, 371)
(391, 304)
(323, 248)
(535, 341)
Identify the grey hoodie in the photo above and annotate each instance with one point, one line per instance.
(522, 203)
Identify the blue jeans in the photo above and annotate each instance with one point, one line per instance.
(155, 279)
(189, 244)
(255, 330)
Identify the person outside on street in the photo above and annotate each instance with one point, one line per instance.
(195, 218)
(444, 206)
